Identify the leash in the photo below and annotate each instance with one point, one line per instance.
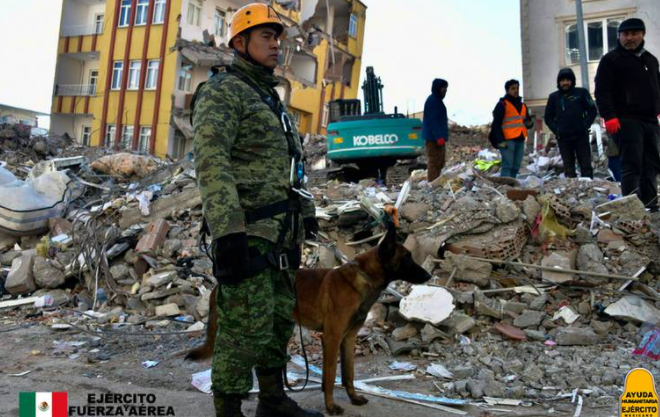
(302, 347)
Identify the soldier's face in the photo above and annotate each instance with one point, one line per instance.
(631, 39)
(264, 46)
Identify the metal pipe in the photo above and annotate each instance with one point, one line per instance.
(584, 68)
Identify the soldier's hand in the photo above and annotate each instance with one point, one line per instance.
(231, 258)
(311, 227)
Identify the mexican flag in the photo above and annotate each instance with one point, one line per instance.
(43, 404)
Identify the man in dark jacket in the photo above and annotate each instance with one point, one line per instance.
(569, 114)
(508, 132)
(435, 129)
(628, 98)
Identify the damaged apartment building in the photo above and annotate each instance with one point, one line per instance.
(126, 69)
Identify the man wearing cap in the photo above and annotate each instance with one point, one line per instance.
(435, 129)
(249, 170)
(628, 98)
(569, 113)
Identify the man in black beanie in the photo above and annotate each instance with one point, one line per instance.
(628, 98)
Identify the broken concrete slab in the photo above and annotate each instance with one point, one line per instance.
(430, 333)
(458, 323)
(556, 261)
(404, 333)
(20, 279)
(423, 245)
(414, 212)
(635, 309)
(531, 208)
(529, 318)
(162, 208)
(629, 207)
(487, 306)
(602, 328)
(154, 238)
(506, 210)
(576, 336)
(427, 304)
(46, 275)
(590, 259)
(468, 269)
(167, 310)
(160, 279)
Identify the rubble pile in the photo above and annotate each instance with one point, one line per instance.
(18, 146)
(540, 285)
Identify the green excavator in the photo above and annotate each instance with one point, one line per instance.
(371, 143)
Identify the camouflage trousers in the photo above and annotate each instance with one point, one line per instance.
(254, 326)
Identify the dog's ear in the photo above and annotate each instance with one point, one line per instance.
(387, 248)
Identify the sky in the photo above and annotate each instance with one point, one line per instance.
(474, 45)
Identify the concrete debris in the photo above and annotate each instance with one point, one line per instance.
(555, 260)
(127, 254)
(635, 309)
(467, 269)
(427, 304)
(46, 275)
(529, 318)
(20, 279)
(572, 336)
(404, 333)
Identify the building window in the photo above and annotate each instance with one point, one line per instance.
(194, 12)
(185, 78)
(219, 23)
(601, 35)
(353, 26)
(98, 23)
(125, 13)
(159, 11)
(117, 72)
(127, 137)
(110, 132)
(93, 80)
(145, 138)
(141, 12)
(86, 135)
(152, 75)
(134, 75)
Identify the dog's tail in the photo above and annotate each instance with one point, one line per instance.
(205, 351)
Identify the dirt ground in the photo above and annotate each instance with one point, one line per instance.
(116, 368)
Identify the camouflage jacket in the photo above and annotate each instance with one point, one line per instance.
(242, 154)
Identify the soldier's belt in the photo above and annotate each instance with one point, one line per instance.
(267, 212)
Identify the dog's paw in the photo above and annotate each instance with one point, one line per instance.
(359, 400)
(334, 409)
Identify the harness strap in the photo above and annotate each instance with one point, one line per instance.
(267, 212)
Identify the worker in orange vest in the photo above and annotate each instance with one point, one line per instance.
(508, 134)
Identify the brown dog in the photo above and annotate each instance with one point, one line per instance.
(336, 302)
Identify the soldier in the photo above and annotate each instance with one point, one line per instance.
(249, 169)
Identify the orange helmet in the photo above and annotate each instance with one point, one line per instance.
(254, 14)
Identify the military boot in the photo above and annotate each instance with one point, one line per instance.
(273, 402)
(228, 405)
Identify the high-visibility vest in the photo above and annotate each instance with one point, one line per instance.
(513, 125)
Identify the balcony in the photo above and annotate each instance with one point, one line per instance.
(75, 90)
(82, 30)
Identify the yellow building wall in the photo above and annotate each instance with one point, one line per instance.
(168, 68)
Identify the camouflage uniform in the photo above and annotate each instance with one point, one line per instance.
(243, 163)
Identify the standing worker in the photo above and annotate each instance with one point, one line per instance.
(508, 133)
(628, 98)
(435, 129)
(249, 168)
(570, 112)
